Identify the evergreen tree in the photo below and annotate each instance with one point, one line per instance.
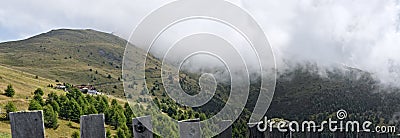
(84, 109)
(39, 91)
(56, 106)
(71, 110)
(10, 92)
(128, 111)
(10, 107)
(39, 99)
(108, 133)
(91, 109)
(126, 130)
(118, 119)
(74, 94)
(89, 98)
(75, 111)
(51, 97)
(34, 105)
(64, 108)
(128, 114)
(114, 102)
(120, 133)
(50, 117)
(101, 106)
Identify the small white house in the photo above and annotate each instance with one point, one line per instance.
(94, 92)
(62, 87)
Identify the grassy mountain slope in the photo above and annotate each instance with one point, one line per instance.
(73, 56)
(25, 84)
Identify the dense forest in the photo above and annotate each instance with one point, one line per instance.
(304, 92)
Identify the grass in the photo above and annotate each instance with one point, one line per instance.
(24, 85)
(71, 56)
(64, 130)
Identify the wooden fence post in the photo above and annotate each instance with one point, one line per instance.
(27, 124)
(189, 128)
(227, 133)
(254, 132)
(139, 127)
(92, 126)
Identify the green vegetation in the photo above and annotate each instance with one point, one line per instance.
(39, 92)
(75, 134)
(10, 92)
(34, 105)
(74, 104)
(10, 107)
(68, 56)
(50, 117)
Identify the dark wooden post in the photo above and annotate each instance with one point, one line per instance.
(227, 133)
(254, 132)
(27, 124)
(92, 126)
(139, 127)
(190, 128)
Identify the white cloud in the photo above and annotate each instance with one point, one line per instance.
(357, 33)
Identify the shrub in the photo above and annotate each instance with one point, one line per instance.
(34, 105)
(50, 117)
(75, 134)
(39, 92)
(10, 107)
(10, 92)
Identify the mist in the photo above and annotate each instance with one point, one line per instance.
(331, 33)
(357, 33)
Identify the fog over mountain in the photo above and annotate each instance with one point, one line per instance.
(358, 33)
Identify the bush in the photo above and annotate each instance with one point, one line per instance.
(39, 92)
(108, 133)
(50, 117)
(10, 92)
(70, 124)
(10, 107)
(38, 98)
(34, 105)
(75, 134)
(120, 133)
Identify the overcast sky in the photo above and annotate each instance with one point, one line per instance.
(357, 33)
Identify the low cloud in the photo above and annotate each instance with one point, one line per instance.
(356, 33)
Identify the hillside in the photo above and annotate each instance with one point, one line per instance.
(73, 56)
(25, 84)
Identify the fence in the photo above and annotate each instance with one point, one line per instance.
(29, 124)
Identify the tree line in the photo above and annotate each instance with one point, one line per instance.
(73, 104)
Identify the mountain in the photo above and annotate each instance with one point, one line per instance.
(71, 56)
